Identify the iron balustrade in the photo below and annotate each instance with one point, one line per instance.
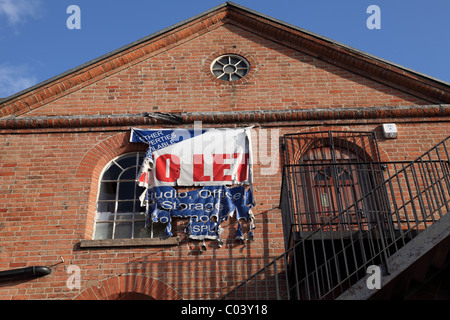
(327, 251)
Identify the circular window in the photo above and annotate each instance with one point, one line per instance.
(230, 67)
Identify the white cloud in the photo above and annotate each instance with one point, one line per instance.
(17, 11)
(14, 79)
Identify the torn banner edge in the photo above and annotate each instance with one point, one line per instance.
(143, 181)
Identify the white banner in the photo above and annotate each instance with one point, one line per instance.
(196, 157)
(212, 158)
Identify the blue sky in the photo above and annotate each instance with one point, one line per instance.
(35, 43)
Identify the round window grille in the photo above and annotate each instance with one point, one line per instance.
(230, 67)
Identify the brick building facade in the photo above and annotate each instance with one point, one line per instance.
(58, 137)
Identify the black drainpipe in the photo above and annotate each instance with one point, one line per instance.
(24, 273)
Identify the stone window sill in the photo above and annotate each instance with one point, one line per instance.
(142, 242)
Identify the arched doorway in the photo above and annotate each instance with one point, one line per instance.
(334, 206)
(333, 183)
(330, 174)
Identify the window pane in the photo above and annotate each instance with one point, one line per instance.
(140, 231)
(112, 173)
(234, 60)
(345, 176)
(138, 208)
(241, 64)
(126, 190)
(241, 72)
(107, 191)
(127, 162)
(105, 216)
(141, 159)
(328, 171)
(124, 216)
(234, 77)
(129, 174)
(217, 72)
(320, 177)
(125, 206)
(103, 230)
(123, 230)
(103, 207)
(325, 200)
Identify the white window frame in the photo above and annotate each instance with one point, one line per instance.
(116, 218)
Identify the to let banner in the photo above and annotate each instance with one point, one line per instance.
(195, 157)
(217, 159)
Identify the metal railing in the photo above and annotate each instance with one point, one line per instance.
(328, 250)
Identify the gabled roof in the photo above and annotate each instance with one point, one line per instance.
(356, 61)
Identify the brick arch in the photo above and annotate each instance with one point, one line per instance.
(92, 164)
(301, 150)
(129, 286)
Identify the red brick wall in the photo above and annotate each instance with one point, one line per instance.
(49, 177)
(178, 80)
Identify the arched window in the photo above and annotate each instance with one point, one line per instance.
(119, 214)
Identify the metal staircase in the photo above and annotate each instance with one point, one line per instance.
(399, 223)
(424, 260)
